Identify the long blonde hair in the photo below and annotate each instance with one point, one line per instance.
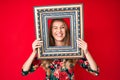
(67, 37)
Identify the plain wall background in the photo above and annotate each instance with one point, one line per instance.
(101, 30)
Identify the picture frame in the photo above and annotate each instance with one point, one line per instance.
(74, 15)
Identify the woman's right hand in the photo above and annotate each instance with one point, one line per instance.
(37, 44)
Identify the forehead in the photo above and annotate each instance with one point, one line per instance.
(57, 22)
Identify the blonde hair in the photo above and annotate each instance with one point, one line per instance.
(67, 37)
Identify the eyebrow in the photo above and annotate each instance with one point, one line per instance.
(57, 26)
(54, 26)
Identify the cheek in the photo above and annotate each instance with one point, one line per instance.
(64, 31)
(53, 31)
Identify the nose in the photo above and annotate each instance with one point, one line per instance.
(59, 29)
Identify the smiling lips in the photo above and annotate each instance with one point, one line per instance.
(59, 35)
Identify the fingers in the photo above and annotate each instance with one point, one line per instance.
(82, 41)
(39, 39)
(82, 44)
(37, 44)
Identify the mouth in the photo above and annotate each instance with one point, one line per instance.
(59, 35)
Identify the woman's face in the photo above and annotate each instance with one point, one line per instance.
(58, 31)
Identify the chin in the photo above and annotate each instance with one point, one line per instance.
(59, 39)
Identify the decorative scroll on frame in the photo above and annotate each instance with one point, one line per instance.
(73, 15)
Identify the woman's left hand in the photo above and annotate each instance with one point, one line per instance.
(83, 45)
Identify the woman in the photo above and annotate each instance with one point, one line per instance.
(58, 27)
(60, 69)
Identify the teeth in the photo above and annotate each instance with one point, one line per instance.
(59, 35)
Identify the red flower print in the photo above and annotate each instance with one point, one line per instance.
(56, 73)
(64, 76)
(70, 70)
(58, 62)
(86, 63)
(51, 66)
(81, 61)
(61, 63)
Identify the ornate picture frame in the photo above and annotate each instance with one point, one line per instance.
(43, 14)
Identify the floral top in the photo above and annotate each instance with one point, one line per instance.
(60, 69)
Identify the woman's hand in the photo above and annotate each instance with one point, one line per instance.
(37, 44)
(83, 45)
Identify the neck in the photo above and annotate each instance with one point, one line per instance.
(59, 43)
